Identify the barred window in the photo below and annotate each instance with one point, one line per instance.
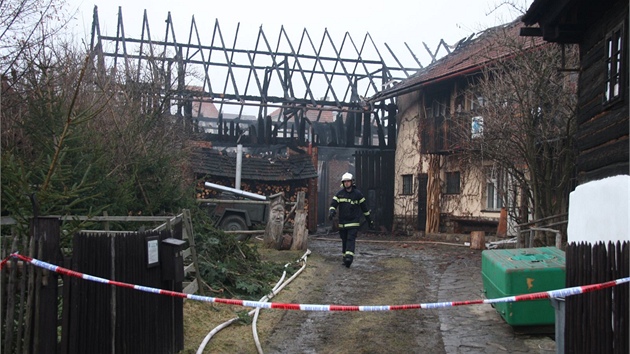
(452, 183)
(407, 184)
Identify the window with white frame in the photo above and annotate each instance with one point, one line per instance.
(476, 127)
(476, 123)
(407, 184)
(614, 66)
(494, 190)
(476, 102)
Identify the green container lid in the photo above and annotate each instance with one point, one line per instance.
(510, 272)
(533, 257)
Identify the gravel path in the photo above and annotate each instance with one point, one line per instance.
(394, 273)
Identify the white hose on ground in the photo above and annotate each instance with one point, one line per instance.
(274, 292)
(276, 289)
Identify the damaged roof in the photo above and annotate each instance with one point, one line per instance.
(470, 55)
(266, 168)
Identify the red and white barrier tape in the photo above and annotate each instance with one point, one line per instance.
(310, 307)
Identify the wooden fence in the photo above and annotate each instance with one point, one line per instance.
(109, 319)
(597, 322)
(43, 312)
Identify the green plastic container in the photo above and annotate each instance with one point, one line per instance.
(509, 272)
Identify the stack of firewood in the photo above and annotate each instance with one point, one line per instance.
(289, 189)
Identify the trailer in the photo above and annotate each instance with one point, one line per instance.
(236, 210)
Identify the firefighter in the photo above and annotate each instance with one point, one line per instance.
(351, 204)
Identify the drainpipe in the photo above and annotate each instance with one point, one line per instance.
(236, 191)
(239, 165)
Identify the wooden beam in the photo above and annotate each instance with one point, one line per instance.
(531, 32)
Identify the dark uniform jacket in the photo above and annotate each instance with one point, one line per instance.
(350, 205)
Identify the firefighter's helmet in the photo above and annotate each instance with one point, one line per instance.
(347, 177)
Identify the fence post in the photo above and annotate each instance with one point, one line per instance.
(558, 240)
(189, 234)
(46, 231)
(558, 305)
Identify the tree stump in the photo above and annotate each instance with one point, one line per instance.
(502, 228)
(477, 240)
(300, 232)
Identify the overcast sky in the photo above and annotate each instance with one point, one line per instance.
(394, 22)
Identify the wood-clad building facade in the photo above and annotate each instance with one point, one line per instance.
(600, 28)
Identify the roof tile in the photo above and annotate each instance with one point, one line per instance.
(268, 168)
(470, 55)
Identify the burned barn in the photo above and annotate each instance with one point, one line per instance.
(302, 97)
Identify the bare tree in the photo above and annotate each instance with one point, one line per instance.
(79, 139)
(525, 124)
(24, 26)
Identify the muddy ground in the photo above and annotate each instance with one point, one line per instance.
(386, 271)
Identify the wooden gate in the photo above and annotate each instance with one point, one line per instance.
(43, 312)
(375, 178)
(597, 322)
(111, 319)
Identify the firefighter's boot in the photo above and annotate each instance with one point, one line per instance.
(348, 258)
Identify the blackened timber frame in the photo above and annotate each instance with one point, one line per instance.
(287, 77)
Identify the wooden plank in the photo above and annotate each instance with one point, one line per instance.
(191, 288)
(114, 218)
(7, 220)
(592, 75)
(607, 127)
(244, 232)
(190, 236)
(189, 268)
(603, 155)
(47, 233)
(169, 222)
(608, 300)
(569, 301)
(603, 172)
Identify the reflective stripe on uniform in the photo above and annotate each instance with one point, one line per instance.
(347, 200)
(352, 224)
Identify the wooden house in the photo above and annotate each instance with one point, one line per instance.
(598, 229)
(434, 193)
(600, 28)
